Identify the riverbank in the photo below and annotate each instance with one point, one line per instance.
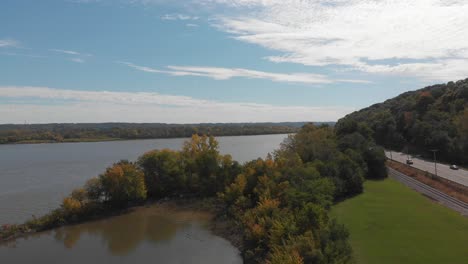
(69, 140)
(92, 140)
(57, 133)
(54, 220)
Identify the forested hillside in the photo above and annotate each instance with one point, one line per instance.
(435, 117)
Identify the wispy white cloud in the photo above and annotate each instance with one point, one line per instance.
(363, 35)
(191, 25)
(142, 68)
(219, 73)
(84, 1)
(77, 60)
(72, 55)
(71, 52)
(104, 106)
(178, 17)
(5, 43)
(22, 55)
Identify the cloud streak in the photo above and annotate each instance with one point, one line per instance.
(75, 56)
(77, 60)
(178, 17)
(23, 55)
(219, 73)
(378, 37)
(7, 43)
(69, 52)
(105, 106)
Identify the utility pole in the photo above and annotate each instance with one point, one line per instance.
(435, 160)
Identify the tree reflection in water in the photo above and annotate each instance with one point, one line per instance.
(122, 234)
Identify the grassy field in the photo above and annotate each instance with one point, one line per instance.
(390, 223)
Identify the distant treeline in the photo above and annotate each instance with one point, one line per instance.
(109, 131)
(435, 117)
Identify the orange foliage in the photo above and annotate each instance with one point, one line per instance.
(71, 206)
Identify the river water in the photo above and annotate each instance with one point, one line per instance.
(34, 178)
(156, 234)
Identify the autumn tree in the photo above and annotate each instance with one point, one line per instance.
(122, 183)
(202, 159)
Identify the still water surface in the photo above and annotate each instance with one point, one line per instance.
(34, 178)
(147, 235)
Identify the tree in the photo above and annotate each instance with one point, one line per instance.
(375, 159)
(202, 163)
(164, 172)
(94, 189)
(424, 100)
(462, 124)
(312, 143)
(75, 204)
(280, 255)
(461, 143)
(71, 206)
(122, 183)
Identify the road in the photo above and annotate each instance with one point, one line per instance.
(459, 176)
(437, 195)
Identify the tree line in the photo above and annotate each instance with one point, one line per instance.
(432, 118)
(281, 202)
(108, 131)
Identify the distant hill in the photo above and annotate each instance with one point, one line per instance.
(435, 117)
(71, 132)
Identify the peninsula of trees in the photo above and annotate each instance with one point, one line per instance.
(280, 203)
(41, 133)
(432, 118)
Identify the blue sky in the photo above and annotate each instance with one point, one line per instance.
(220, 61)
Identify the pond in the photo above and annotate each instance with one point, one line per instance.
(153, 234)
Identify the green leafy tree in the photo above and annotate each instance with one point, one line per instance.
(122, 183)
(164, 172)
(202, 156)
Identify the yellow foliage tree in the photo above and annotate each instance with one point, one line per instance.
(123, 182)
(284, 256)
(71, 206)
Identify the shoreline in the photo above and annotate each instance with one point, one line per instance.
(95, 140)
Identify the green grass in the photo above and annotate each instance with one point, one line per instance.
(390, 223)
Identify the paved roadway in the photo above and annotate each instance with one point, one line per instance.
(459, 176)
(437, 195)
